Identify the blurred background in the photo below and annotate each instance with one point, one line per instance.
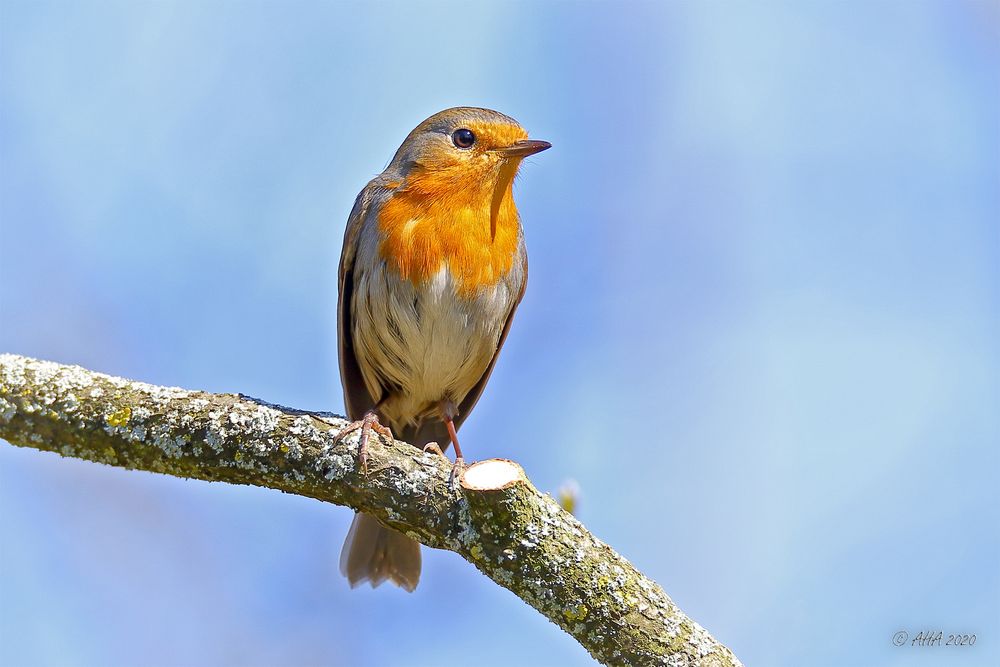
(761, 329)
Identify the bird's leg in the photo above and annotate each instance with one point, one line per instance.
(448, 414)
(366, 424)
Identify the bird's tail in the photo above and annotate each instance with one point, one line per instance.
(375, 553)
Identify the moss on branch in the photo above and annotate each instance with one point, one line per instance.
(515, 535)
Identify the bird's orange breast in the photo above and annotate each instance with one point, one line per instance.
(432, 222)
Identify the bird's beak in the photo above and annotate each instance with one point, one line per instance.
(524, 148)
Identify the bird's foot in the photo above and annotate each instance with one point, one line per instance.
(456, 472)
(456, 469)
(366, 425)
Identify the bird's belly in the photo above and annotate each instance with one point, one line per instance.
(417, 345)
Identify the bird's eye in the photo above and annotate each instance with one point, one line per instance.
(463, 138)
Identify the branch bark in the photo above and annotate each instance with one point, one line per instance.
(497, 520)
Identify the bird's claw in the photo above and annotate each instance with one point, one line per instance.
(366, 425)
(456, 472)
(432, 448)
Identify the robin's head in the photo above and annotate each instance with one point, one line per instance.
(450, 197)
(464, 144)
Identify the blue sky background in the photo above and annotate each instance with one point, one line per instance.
(761, 329)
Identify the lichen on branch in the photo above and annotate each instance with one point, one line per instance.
(515, 535)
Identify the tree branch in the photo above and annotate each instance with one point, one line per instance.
(497, 520)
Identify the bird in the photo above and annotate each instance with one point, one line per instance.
(432, 269)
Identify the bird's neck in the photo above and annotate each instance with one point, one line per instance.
(433, 222)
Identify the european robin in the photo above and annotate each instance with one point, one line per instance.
(432, 269)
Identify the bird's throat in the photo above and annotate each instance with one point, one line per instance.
(503, 191)
(470, 229)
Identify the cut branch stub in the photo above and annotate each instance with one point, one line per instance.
(498, 521)
(492, 475)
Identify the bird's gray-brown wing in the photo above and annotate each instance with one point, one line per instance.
(472, 397)
(371, 551)
(357, 400)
